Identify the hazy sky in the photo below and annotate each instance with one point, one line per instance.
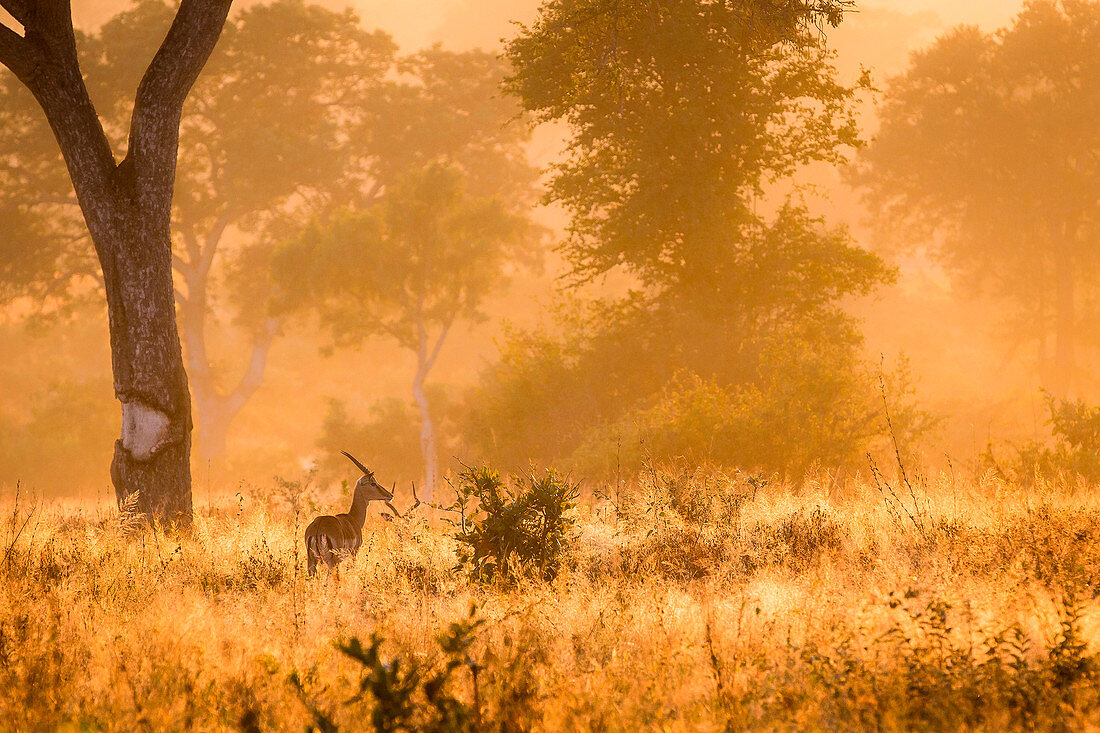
(416, 23)
(483, 22)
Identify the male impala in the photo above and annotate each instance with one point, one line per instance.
(329, 538)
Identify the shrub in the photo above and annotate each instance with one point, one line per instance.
(1074, 450)
(409, 693)
(611, 392)
(505, 532)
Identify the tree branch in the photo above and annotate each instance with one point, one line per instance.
(213, 240)
(438, 346)
(254, 376)
(158, 107)
(45, 61)
(50, 19)
(15, 53)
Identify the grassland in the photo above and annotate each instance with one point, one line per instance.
(685, 603)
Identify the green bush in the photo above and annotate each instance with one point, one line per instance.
(507, 532)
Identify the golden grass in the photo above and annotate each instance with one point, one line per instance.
(964, 607)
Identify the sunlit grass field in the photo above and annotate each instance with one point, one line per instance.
(685, 602)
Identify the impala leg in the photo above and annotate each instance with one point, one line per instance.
(331, 558)
(311, 557)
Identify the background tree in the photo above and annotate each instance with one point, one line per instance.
(266, 138)
(987, 156)
(408, 269)
(681, 113)
(127, 207)
(442, 116)
(299, 112)
(683, 116)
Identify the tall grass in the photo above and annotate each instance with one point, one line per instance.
(690, 601)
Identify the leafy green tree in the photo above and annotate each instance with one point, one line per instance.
(684, 117)
(447, 105)
(407, 269)
(266, 135)
(987, 157)
(681, 113)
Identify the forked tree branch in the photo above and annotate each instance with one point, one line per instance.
(44, 59)
(158, 107)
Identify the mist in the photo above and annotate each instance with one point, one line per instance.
(514, 365)
(981, 385)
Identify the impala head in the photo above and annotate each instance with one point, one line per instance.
(366, 486)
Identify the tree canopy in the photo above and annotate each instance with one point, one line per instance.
(987, 157)
(407, 269)
(682, 116)
(300, 113)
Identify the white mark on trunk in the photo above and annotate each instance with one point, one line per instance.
(144, 430)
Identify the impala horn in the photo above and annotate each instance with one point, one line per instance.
(355, 460)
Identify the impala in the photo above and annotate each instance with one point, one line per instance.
(329, 538)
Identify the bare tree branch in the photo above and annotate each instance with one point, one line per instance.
(438, 346)
(52, 21)
(213, 240)
(45, 60)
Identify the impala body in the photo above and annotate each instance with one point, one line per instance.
(330, 538)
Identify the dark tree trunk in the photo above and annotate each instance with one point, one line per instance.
(127, 208)
(152, 456)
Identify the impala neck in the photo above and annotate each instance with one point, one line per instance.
(358, 512)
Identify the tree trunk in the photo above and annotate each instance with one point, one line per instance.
(152, 456)
(127, 207)
(216, 410)
(427, 438)
(213, 431)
